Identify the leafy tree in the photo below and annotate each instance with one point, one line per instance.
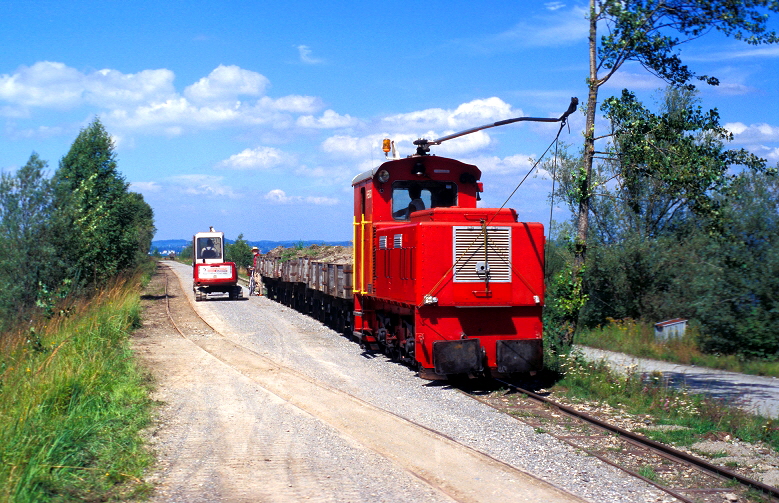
(738, 305)
(671, 235)
(650, 32)
(79, 227)
(26, 203)
(105, 228)
(664, 165)
(239, 252)
(564, 300)
(186, 253)
(136, 219)
(726, 280)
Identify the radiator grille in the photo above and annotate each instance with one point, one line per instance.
(470, 255)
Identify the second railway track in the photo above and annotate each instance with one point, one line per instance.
(688, 478)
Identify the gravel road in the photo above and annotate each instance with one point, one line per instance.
(759, 395)
(221, 436)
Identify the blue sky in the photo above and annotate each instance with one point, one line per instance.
(253, 117)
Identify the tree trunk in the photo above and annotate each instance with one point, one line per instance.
(585, 180)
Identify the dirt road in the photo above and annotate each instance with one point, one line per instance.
(237, 426)
(755, 394)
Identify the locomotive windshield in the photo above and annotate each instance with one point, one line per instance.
(209, 248)
(410, 196)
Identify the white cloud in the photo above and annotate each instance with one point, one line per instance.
(147, 100)
(755, 138)
(294, 103)
(463, 144)
(468, 115)
(185, 115)
(734, 88)
(54, 85)
(754, 133)
(145, 187)
(122, 142)
(45, 84)
(305, 55)
(350, 147)
(482, 111)
(207, 186)
(772, 155)
(278, 196)
(329, 119)
(322, 201)
(226, 83)
(740, 53)
(367, 147)
(344, 146)
(254, 159)
(465, 116)
(623, 79)
(558, 27)
(111, 88)
(514, 165)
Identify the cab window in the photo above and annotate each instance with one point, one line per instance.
(409, 196)
(209, 248)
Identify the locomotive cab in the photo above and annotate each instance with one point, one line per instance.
(210, 272)
(440, 283)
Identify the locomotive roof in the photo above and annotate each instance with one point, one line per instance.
(388, 165)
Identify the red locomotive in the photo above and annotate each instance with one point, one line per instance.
(210, 273)
(435, 281)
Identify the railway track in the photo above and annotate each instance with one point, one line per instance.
(678, 474)
(688, 478)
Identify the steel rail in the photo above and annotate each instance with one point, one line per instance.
(644, 441)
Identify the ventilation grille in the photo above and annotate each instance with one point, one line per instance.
(398, 241)
(471, 258)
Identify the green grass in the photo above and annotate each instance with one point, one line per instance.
(647, 472)
(73, 403)
(637, 339)
(648, 394)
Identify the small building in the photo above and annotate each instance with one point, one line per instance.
(670, 329)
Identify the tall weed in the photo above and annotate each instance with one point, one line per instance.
(637, 338)
(650, 394)
(72, 404)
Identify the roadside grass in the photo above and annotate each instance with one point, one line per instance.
(73, 403)
(637, 338)
(650, 395)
